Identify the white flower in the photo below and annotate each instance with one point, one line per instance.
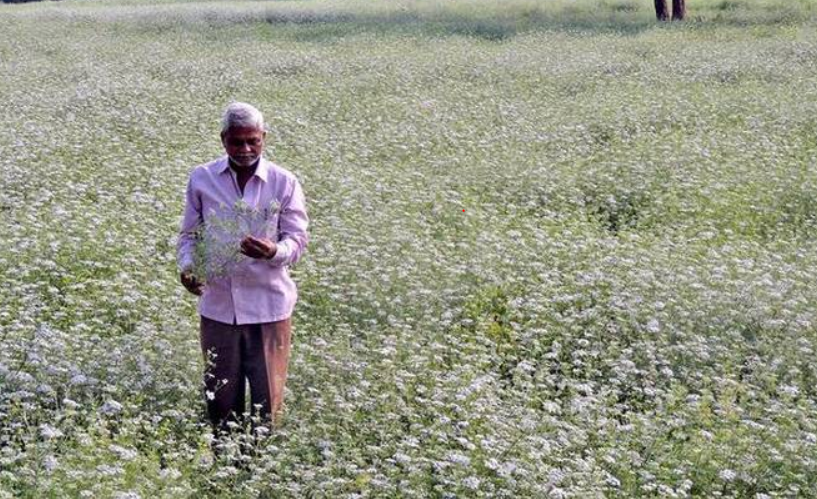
(50, 463)
(70, 404)
(727, 475)
(169, 474)
(108, 470)
(49, 432)
(123, 453)
(111, 407)
(789, 390)
(471, 482)
(460, 459)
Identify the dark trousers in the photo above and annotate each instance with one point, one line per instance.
(234, 354)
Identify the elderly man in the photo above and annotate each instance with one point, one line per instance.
(246, 312)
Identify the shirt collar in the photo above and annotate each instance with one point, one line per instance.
(261, 171)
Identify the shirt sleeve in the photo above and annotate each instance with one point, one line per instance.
(191, 221)
(292, 224)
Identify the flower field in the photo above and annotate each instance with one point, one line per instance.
(557, 249)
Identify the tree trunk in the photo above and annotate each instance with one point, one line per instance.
(678, 10)
(661, 11)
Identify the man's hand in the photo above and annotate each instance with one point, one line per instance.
(255, 247)
(191, 283)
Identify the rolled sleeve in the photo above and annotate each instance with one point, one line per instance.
(292, 228)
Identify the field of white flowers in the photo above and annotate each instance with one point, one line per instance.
(557, 249)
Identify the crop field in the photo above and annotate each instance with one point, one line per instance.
(557, 249)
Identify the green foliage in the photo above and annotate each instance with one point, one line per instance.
(488, 313)
(218, 241)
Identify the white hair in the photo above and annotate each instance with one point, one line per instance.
(241, 114)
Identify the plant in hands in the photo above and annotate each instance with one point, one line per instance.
(231, 235)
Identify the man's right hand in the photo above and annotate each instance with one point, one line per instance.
(191, 283)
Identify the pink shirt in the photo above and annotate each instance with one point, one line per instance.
(254, 291)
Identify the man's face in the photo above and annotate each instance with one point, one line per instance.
(244, 145)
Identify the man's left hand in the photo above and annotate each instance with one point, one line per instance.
(255, 247)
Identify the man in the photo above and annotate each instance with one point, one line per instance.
(245, 313)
